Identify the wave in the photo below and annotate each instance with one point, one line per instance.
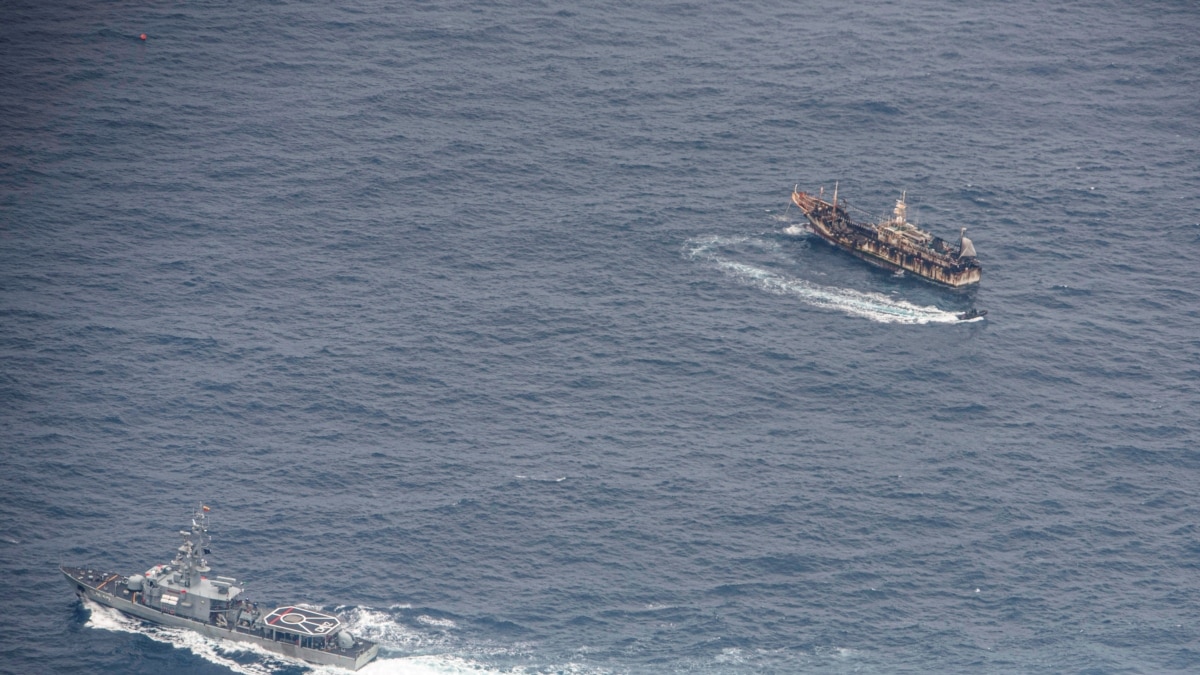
(873, 306)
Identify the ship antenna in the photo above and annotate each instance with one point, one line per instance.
(191, 559)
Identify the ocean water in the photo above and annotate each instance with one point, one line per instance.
(489, 326)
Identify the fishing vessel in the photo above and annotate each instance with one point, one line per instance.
(892, 243)
(183, 594)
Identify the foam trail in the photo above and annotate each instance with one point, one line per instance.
(797, 230)
(873, 306)
(418, 665)
(381, 626)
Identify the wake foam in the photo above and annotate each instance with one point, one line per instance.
(420, 665)
(381, 626)
(873, 306)
(538, 479)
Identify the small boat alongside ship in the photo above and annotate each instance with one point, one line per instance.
(892, 243)
(182, 595)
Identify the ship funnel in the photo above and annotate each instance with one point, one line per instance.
(965, 248)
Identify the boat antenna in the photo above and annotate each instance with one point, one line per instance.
(190, 558)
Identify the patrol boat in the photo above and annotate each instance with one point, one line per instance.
(893, 243)
(181, 594)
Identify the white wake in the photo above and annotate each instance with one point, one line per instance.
(873, 306)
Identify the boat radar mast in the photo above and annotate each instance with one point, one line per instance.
(189, 559)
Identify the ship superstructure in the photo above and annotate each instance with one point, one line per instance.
(893, 243)
(181, 594)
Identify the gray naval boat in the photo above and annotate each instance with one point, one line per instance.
(182, 594)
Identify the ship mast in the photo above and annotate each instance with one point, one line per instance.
(190, 561)
(835, 187)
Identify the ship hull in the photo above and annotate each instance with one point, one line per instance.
(100, 593)
(859, 244)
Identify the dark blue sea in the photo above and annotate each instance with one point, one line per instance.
(489, 326)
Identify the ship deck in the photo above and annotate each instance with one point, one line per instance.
(96, 580)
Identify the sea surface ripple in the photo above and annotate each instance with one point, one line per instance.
(490, 326)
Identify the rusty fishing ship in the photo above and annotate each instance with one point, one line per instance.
(892, 243)
(182, 595)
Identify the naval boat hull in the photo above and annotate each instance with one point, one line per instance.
(110, 590)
